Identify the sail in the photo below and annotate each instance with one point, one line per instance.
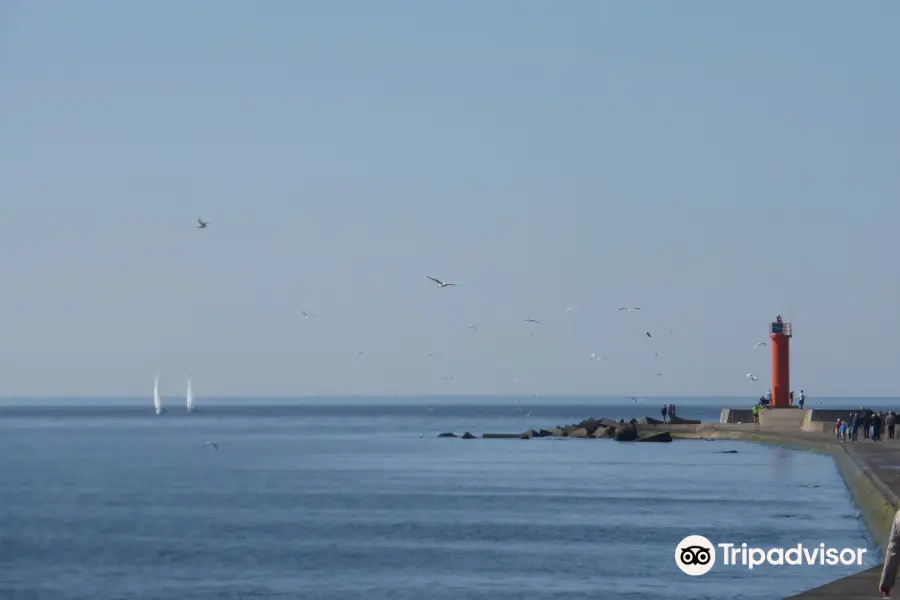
(157, 401)
(190, 397)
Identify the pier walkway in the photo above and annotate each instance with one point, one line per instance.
(879, 462)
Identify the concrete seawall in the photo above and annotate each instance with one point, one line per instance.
(870, 470)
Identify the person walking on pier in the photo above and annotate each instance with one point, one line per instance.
(791, 398)
(889, 420)
(891, 558)
(843, 435)
(876, 427)
(756, 414)
(665, 411)
(854, 427)
(802, 398)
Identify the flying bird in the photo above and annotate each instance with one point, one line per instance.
(635, 399)
(530, 320)
(757, 345)
(440, 283)
(432, 353)
(306, 315)
(473, 328)
(568, 309)
(629, 309)
(647, 333)
(659, 374)
(214, 445)
(202, 224)
(751, 377)
(450, 377)
(671, 331)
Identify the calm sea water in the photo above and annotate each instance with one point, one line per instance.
(335, 501)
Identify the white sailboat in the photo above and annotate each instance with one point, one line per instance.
(190, 397)
(157, 401)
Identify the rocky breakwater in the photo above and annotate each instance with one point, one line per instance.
(645, 429)
(619, 431)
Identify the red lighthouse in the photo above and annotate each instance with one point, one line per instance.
(780, 333)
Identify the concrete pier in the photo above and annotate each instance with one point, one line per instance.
(870, 469)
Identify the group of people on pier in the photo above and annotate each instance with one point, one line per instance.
(873, 425)
(668, 410)
(766, 402)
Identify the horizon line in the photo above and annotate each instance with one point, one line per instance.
(412, 395)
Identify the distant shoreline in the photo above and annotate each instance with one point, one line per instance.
(542, 397)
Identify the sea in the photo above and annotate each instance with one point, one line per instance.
(347, 498)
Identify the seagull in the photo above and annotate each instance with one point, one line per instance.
(450, 377)
(629, 309)
(473, 328)
(568, 309)
(656, 354)
(432, 353)
(202, 224)
(751, 377)
(671, 331)
(593, 356)
(647, 333)
(213, 444)
(530, 320)
(757, 345)
(306, 315)
(659, 374)
(360, 353)
(439, 282)
(635, 399)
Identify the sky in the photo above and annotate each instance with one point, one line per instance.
(715, 164)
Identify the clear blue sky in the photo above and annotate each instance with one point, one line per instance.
(713, 163)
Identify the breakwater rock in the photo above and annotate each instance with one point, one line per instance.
(619, 431)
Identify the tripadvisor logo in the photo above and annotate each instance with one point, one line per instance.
(696, 555)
